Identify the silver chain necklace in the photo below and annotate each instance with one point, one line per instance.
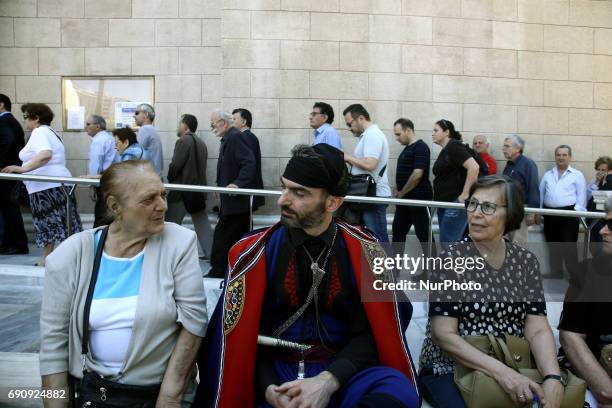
(314, 264)
(317, 277)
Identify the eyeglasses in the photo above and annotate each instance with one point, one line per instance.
(487, 208)
(608, 223)
(312, 114)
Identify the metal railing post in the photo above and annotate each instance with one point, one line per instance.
(68, 190)
(251, 211)
(587, 238)
(430, 230)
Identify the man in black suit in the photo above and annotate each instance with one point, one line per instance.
(243, 120)
(236, 168)
(12, 140)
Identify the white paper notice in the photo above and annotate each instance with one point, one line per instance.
(76, 117)
(124, 114)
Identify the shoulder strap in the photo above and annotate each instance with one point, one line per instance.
(197, 156)
(55, 133)
(90, 292)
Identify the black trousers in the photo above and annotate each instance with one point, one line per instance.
(407, 216)
(229, 230)
(14, 230)
(561, 235)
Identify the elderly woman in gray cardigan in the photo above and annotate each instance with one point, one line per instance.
(148, 311)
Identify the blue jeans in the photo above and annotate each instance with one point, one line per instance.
(452, 222)
(375, 219)
(440, 391)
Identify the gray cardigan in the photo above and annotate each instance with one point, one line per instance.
(171, 296)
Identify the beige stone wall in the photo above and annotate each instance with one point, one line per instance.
(535, 67)
(177, 41)
(540, 68)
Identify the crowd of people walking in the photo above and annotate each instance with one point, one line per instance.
(124, 319)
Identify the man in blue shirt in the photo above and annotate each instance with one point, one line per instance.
(321, 118)
(102, 154)
(525, 172)
(148, 138)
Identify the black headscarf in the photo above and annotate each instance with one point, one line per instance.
(325, 171)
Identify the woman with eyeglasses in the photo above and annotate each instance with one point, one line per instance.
(127, 145)
(510, 301)
(455, 170)
(44, 155)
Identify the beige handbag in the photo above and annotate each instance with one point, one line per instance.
(482, 391)
(605, 359)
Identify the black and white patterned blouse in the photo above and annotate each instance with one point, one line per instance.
(507, 295)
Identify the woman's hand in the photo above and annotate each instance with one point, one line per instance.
(600, 175)
(518, 387)
(553, 392)
(13, 169)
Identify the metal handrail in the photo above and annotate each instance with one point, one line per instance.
(252, 191)
(69, 182)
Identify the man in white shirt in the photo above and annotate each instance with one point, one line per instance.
(148, 138)
(371, 156)
(102, 154)
(562, 188)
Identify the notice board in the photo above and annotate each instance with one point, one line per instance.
(112, 97)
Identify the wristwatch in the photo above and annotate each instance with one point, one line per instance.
(556, 378)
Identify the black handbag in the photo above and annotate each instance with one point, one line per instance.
(19, 195)
(194, 202)
(362, 185)
(94, 390)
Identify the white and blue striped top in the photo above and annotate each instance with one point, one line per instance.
(113, 307)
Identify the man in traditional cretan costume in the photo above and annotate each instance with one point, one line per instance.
(291, 329)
